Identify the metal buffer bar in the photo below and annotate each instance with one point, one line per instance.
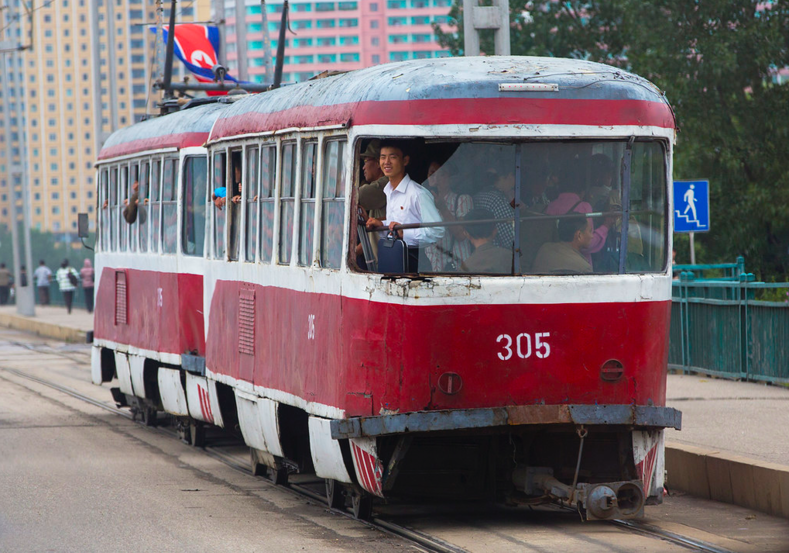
(476, 18)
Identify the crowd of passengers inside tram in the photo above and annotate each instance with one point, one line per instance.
(484, 244)
(486, 205)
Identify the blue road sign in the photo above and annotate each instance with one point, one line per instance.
(691, 205)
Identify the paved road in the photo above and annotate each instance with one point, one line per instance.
(78, 478)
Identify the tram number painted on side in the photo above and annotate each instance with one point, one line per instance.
(311, 327)
(521, 345)
(159, 298)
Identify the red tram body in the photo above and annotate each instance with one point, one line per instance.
(448, 384)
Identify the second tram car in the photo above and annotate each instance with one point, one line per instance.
(238, 296)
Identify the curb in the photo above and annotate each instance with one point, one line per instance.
(48, 330)
(728, 478)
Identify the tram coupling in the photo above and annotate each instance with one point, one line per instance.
(596, 501)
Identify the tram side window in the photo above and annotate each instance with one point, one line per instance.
(646, 236)
(104, 220)
(123, 195)
(194, 205)
(142, 206)
(169, 206)
(251, 186)
(287, 199)
(267, 201)
(156, 206)
(234, 203)
(134, 228)
(114, 208)
(333, 204)
(219, 181)
(309, 159)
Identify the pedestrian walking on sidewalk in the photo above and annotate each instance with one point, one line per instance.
(5, 284)
(87, 284)
(42, 275)
(67, 281)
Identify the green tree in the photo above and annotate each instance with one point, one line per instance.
(717, 61)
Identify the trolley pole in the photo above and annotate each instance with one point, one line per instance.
(241, 40)
(219, 16)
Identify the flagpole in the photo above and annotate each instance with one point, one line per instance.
(241, 40)
(219, 15)
(168, 58)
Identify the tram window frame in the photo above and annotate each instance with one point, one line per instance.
(104, 211)
(267, 201)
(155, 206)
(193, 200)
(234, 210)
(307, 201)
(287, 199)
(113, 207)
(123, 197)
(134, 174)
(142, 206)
(333, 193)
(218, 240)
(169, 204)
(250, 201)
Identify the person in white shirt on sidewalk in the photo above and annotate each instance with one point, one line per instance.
(407, 202)
(42, 275)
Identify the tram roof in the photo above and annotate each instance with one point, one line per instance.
(181, 129)
(461, 91)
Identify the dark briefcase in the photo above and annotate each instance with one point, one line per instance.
(392, 255)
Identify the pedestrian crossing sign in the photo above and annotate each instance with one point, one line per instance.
(691, 205)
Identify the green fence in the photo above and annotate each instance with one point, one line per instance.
(718, 328)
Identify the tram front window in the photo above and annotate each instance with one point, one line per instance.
(531, 208)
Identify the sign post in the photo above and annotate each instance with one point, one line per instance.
(692, 209)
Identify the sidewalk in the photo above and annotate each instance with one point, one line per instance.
(734, 443)
(51, 322)
(733, 446)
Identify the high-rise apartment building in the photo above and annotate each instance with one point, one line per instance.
(57, 116)
(338, 35)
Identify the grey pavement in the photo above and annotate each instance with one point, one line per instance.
(744, 418)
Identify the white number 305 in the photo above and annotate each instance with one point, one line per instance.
(523, 345)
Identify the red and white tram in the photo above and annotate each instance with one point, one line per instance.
(539, 383)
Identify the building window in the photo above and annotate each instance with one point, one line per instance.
(327, 41)
(395, 21)
(326, 23)
(349, 40)
(373, 23)
(375, 41)
(349, 22)
(398, 56)
(327, 58)
(398, 39)
(376, 58)
(420, 20)
(349, 57)
(373, 6)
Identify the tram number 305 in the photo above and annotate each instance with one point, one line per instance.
(523, 345)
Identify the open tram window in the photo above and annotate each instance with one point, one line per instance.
(113, 209)
(169, 206)
(234, 188)
(251, 190)
(142, 206)
(219, 184)
(155, 205)
(104, 212)
(287, 199)
(333, 209)
(309, 161)
(123, 195)
(134, 190)
(267, 201)
(194, 204)
(544, 208)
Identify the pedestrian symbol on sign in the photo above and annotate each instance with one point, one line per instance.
(691, 206)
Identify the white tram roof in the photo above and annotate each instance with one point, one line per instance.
(460, 91)
(181, 129)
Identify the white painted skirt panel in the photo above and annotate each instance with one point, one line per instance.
(136, 365)
(124, 373)
(325, 451)
(172, 392)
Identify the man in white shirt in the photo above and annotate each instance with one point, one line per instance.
(42, 275)
(407, 202)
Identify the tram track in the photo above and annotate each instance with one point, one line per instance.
(424, 541)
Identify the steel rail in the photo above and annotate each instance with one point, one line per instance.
(429, 543)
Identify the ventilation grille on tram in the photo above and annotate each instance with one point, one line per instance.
(246, 322)
(121, 300)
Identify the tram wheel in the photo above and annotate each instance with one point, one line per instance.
(197, 433)
(278, 476)
(335, 495)
(362, 505)
(149, 416)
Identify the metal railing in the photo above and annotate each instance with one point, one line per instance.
(718, 328)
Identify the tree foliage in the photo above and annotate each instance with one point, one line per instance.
(717, 61)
